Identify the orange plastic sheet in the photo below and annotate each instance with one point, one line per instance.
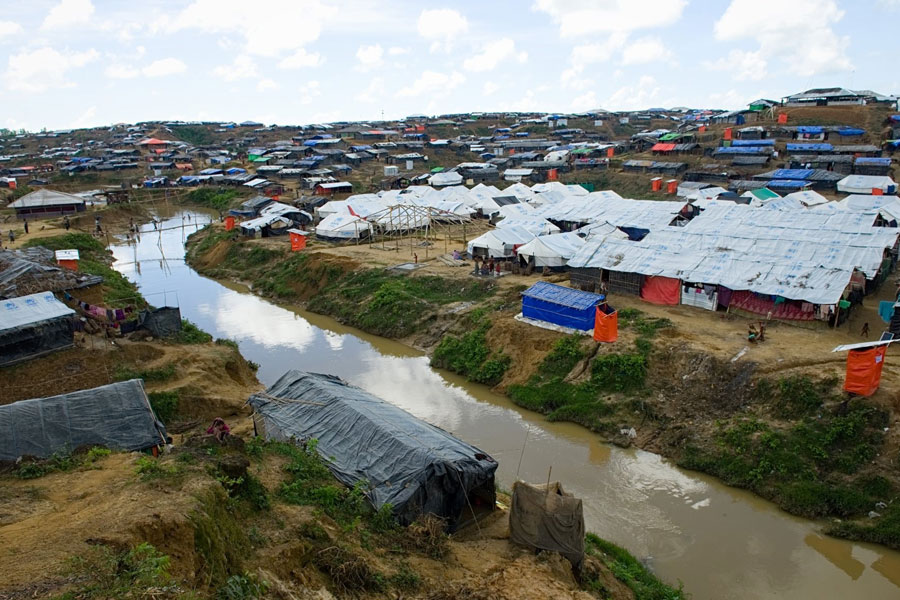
(606, 326)
(864, 370)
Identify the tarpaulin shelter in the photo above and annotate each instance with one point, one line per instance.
(606, 324)
(661, 290)
(33, 325)
(547, 518)
(415, 467)
(161, 322)
(117, 416)
(560, 305)
(865, 362)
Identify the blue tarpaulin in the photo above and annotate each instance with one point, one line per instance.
(792, 173)
(871, 160)
(851, 131)
(787, 184)
(560, 305)
(886, 310)
(810, 147)
(753, 143)
(743, 150)
(810, 129)
(895, 118)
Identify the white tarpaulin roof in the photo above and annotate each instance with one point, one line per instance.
(342, 226)
(536, 225)
(560, 245)
(863, 184)
(499, 242)
(34, 308)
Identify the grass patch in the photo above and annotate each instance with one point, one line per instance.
(218, 537)
(191, 334)
(219, 199)
(627, 569)
(59, 462)
(470, 356)
(141, 572)
(149, 468)
(164, 405)
(157, 374)
(813, 466)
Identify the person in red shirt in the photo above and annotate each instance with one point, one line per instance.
(219, 428)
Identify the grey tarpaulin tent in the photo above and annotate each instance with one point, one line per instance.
(161, 322)
(117, 416)
(33, 325)
(416, 467)
(547, 519)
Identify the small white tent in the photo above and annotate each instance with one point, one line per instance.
(864, 184)
(551, 250)
(342, 227)
(499, 243)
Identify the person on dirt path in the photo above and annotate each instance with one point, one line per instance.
(12, 236)
(97, 224)
(66, 223)
(26, 226)
(219, 429)
(865, 330)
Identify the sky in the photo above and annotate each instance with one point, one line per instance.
(82, 63)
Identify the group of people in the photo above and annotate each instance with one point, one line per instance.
(486, 267)
(756, 335)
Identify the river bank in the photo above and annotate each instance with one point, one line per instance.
(228, 521)
(773, 422)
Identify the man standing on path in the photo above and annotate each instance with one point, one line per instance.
(26, 226)
(66, 222)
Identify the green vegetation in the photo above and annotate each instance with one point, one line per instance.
(219, 199)
(95, 260)
(242, 587)
(469, 354)
(197, 135)
(218, 537)
(163, 373)
(191, 334)
(150, 468)
(627, 569)
(814, 465)
(103, 573)
(164, 405)
(58, 462)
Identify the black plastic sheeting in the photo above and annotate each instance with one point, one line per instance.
(161, 322)
(416, 467)
(117, 416)
(35, 339)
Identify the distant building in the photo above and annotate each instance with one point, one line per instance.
(47, 203)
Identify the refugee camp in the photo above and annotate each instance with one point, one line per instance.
(428, 301)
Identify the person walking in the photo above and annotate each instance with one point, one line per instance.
(865, 330)
(12, 236)
(66, 223)
(26, 225)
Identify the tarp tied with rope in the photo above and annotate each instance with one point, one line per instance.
(403, 461)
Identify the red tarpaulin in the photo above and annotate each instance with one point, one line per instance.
(606, 326)
(864, 370)
(662, 147)
(661, 290)
(298, 241)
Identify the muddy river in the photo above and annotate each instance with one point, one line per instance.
(720, 542)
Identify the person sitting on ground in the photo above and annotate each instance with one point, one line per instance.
(752, 334)
(219, 429)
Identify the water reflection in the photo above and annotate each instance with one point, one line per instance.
(722, 542)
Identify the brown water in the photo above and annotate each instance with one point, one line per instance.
(721, 542)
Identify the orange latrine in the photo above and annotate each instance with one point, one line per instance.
(865, 362)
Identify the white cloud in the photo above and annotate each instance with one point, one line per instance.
(265, 85)
(442, 26)
(801, 36)
(9, 28)
(743, 65)
(243, 67)
(164, 67)
(492, 54)
(432, 82)
(86, 119)
(490, 88)
(44, 68)
(118, 71)
(583, 17)
(309, 91)
(588, 54)
(635, 97)
(586, 101)
(68, 13)
(301, 58)
(293, 25)
(645, 50)
(397, 50)
(374, 91)
(370, 57)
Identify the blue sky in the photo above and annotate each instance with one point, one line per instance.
(77, 63)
